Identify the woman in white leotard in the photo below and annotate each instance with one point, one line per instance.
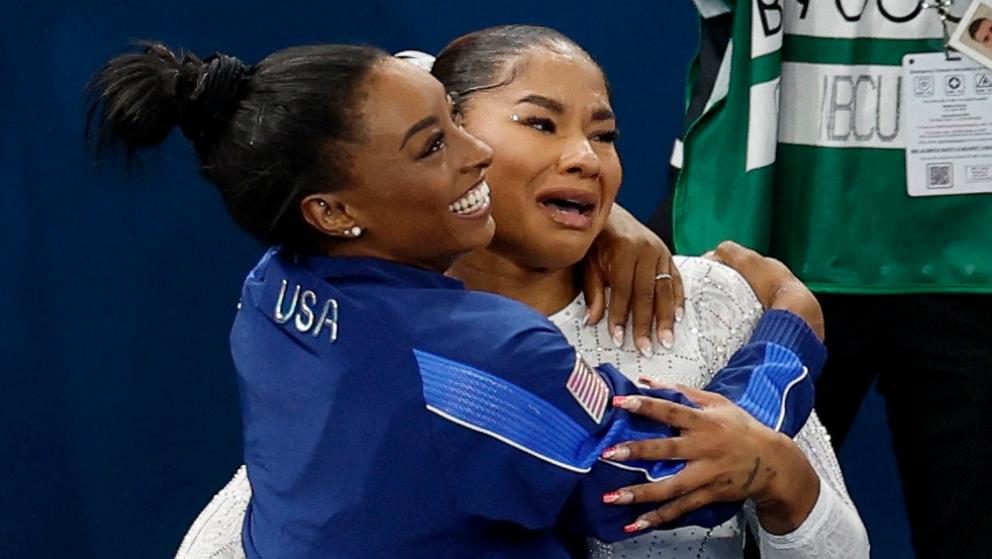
(532, 95)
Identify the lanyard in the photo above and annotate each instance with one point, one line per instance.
(943, 9)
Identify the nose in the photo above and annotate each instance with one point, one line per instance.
(579, 159)
(479, 155)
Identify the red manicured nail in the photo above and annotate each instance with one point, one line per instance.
(629, 403)
(635, 526)
(611, 497)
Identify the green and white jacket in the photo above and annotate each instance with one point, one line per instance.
(795, 147)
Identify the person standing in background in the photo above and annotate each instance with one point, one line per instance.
(795, 147)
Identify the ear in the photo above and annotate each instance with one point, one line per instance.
(325, 213)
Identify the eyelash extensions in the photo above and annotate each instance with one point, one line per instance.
(546, 125)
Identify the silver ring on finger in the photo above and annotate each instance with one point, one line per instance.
(663, 276)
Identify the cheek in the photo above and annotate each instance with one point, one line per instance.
(419, 199)
(511, 177)
(612, 176)
(415, 201)
(517, 156)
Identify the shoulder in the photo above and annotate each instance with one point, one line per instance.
(495, 334)
(469, 315)
(722, 310)
(717, 292)
(705, 278)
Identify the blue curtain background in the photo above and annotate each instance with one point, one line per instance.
(118, 409)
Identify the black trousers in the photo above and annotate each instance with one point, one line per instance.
(932, 354)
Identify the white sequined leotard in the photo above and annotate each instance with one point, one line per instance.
(721, 311)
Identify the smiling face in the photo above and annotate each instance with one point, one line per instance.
(555, 171)
(419, 192)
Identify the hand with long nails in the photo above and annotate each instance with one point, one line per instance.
(772, 281)
(729, 455)
(630, 258)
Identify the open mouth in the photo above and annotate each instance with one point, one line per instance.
(473, 202)
(571, 209)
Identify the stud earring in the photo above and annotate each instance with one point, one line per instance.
(355, 231)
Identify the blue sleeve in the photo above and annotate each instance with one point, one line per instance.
(520, 428)
(772, 376)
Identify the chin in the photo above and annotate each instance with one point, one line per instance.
(480, 237)
(560, 250)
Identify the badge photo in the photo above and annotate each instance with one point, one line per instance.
(973, 36)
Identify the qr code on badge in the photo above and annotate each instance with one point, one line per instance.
(939, 175)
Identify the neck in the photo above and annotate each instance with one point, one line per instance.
(545, 290)
(359, 249)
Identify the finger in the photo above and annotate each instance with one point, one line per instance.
(729, 247)
(678, 290)
(594, 289)
(673, 448)
(685, 481)
(669, 413)
(664, 303)
(674, 509)
(703, 398)
(739, 257)
(621, 281)
(734, 255)
(643, 302)
(655, 383)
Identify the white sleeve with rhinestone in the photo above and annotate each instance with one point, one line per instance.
(724, 308)
(833, 528)
(216, 532)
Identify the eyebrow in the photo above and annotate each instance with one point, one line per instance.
(557, 107)
(542, 101)
(603, 114)
(423, 123)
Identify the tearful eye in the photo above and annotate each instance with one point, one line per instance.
(607, 137)
(545, 125)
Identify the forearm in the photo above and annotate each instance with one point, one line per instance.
(793, 489)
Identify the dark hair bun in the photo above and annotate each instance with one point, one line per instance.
(138, 98)
(213, 96)
(266, 136)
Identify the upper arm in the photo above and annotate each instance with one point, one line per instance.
(725, 309)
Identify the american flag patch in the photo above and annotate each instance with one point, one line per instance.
(589, 389)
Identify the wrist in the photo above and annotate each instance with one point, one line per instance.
(792, 489)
